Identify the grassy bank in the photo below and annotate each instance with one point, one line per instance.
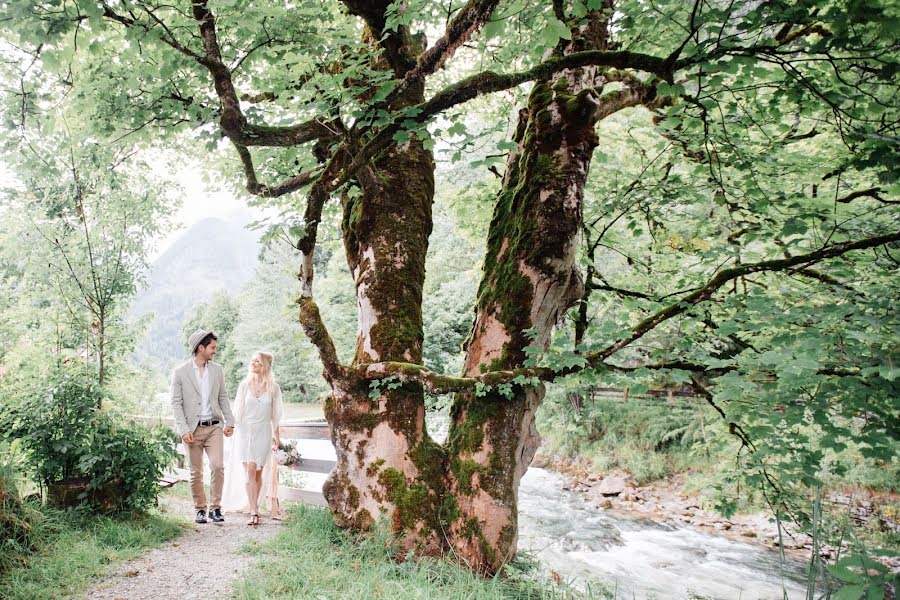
(312, 558)
(649, 438)
(74, 547)
(652, 438)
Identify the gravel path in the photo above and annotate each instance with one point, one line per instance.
(202, 563)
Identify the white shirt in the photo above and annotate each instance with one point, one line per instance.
(203, 383)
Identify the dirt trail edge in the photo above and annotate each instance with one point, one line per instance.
(204, 562)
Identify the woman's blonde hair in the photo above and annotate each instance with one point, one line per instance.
(265, 377)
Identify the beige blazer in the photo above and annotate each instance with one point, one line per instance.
(186, 397)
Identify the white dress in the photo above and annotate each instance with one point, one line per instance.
(254, 432)
(254, 421)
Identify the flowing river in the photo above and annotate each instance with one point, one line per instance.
(635, 556)
(642, 559)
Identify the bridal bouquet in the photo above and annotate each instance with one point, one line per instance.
(287, 454)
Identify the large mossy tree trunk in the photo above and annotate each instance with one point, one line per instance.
(528, 283)
(386, 463)
(384, 455)
(461, 496)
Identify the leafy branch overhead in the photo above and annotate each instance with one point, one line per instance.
(440, 384)
(714, 42)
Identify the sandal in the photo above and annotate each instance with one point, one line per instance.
(254, 520)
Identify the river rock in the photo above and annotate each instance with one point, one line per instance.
(611, 485)
(540, 461)
(604, 503)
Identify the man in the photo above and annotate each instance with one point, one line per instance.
(201, 406)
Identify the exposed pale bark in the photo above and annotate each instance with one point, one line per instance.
(386, 464)
(529, 281)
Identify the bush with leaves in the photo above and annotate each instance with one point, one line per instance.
(17, 519)
(65, 437)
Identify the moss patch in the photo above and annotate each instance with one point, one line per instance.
(374, 467)
(362, 421)
(408, 499)
(463, 470)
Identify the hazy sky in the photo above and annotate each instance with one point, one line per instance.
(202, 199)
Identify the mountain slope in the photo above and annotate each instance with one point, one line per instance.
(213, 254)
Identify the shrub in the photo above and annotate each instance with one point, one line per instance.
(68, 440)
(17, 520)
(130, 458)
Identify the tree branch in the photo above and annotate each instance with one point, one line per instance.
(488, 82)
(466, 22)
(620, 291)
(314, 327)
(874, 192)
(264, 191)
(705, 293)
(440, 384)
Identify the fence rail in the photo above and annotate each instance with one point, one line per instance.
(626, 393)
(294, 430)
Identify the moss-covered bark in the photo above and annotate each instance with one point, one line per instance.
(386, 464)
(529, 281)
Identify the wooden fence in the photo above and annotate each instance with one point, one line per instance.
(290, 430)
(625, 393)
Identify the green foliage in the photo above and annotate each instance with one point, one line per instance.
(18, 520)
(376, 386)
(862, 577)
(267, 320)
(65, 437)
(647, 437)
(450, 285)
(87, 223)
(311, 557)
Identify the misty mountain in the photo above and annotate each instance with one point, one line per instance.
(213, 254)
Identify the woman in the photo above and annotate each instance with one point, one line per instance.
(257, 412)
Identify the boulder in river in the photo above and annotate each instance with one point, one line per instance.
(612, 485)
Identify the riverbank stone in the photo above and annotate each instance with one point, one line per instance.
(612, 485)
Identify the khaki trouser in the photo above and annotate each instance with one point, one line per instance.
(209, 439)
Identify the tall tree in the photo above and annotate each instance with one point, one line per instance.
(89, 225)
(335, 99)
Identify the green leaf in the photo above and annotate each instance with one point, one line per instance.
(842, 573)
(555, 31)
(492, 29)
(849, 592)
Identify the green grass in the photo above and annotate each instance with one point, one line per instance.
(312, 558)
(649, 438)
(75, 547)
